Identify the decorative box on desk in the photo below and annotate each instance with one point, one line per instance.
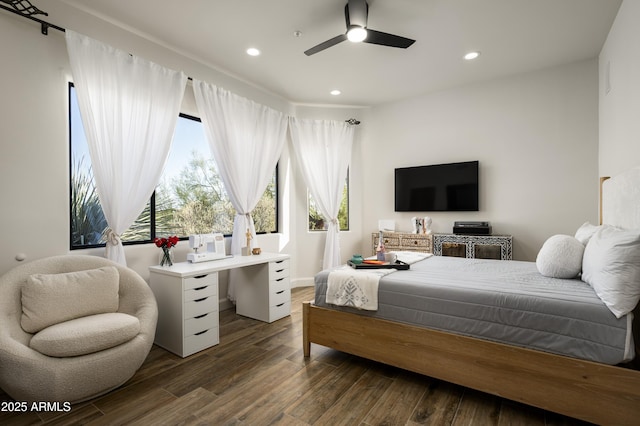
(473, 246)
(187, 297)
(403, 241)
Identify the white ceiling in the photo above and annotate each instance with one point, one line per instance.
(513, 35)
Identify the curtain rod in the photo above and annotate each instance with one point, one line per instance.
(32, 10)
(44, 28)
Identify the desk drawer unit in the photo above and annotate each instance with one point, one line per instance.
(263, 292)
(188, 312)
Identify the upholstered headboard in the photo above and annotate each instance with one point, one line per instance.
(620, 206)
(620, 199)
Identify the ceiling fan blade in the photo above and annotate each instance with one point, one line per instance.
(385, 39)
(356, 12)
(325, 45)
(356, 15)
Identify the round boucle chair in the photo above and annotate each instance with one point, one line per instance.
(29, 375)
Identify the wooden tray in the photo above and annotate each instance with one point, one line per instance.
(399, 265)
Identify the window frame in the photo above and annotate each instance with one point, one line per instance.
(348, 186)
(152, 200)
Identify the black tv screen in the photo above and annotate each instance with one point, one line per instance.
(437, 188)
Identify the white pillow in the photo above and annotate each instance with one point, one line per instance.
(560, 257)
(49, 299)
(611, 265)
(585, 232)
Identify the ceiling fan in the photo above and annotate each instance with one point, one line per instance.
(356, 13)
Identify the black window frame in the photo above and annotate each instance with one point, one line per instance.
(152, 201)
(348, 184)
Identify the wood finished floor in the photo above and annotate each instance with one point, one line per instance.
(258, 376)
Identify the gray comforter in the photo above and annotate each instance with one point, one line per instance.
(503, 301)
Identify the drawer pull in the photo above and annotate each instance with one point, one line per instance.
(201, 300)
(280, 279)
(201, 316)
(197, 277)
(200, 288)
(277, 306)
(279, 261)
(279, 270)
(280, 292)
(202, 332)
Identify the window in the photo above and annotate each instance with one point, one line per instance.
(189, 199)
(317, 222)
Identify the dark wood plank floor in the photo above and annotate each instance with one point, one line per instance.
(258, 376)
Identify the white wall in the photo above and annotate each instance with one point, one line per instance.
(619, 65)
(33, 153)
(534, 134)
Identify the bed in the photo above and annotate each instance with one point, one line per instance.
(600, 390)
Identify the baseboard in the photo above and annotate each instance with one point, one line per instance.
(302, 282)
(224, 304)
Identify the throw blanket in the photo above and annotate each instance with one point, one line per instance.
(355, 288)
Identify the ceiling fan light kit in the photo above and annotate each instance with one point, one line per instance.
(356, 34)
(356, 13)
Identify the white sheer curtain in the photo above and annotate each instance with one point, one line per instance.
(246, 140)
(129, 107)
(323, 151)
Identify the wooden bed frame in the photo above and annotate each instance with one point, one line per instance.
(585, 390)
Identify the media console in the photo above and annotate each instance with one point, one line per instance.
(402, 241)
(473, 246)
(470, 246)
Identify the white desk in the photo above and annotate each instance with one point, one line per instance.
(187, 296)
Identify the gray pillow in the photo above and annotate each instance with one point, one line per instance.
(49, 299)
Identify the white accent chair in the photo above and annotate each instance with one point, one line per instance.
(93, 354)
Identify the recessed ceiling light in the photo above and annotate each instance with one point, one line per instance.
(252, 51)
(335, 92)
(471, 55)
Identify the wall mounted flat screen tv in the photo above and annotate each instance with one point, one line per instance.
(437, 188)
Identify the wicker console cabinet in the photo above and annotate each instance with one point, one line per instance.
(402, 241)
